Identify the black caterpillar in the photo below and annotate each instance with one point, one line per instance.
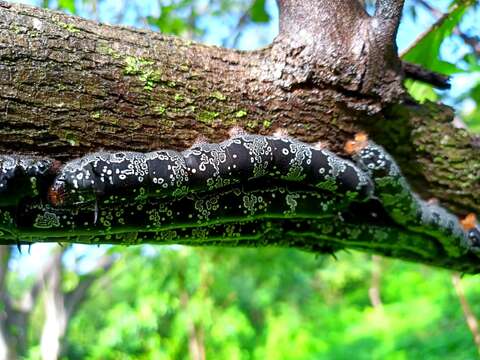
(167, 196)
(277, 216)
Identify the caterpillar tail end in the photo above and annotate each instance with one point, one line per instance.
(359, 142)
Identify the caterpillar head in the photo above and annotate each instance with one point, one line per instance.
(236, 131)
(75, 184)
(280, 133)
(25, 177)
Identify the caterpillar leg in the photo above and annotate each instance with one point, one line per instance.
(313, 236)
(403, 205)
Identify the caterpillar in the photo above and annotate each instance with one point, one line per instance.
(325, 235)
(121, 176)
(278, 216)
(247, 179)
(211, 219)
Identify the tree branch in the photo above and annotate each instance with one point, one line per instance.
(320, 16)
(418, 72)
(374, 292)
(387, 19)
(7, 350)
(56, 319)
(29, 299)
(389, 12)
(5, 252)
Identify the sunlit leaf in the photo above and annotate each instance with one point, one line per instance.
(472, 62)
(427, 51)
(67, 5)
(420, 91)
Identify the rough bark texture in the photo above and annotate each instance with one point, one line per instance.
(70, 86)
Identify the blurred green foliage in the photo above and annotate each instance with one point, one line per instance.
(269, 304)
(272, 303)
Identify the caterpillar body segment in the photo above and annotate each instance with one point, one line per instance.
(205, 167)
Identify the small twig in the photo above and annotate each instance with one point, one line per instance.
(374, 290)
(430, 8)
(418, 72)
(467, 311)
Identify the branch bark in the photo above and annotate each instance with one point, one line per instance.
(418, 72)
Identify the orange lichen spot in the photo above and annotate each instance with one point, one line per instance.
(358, 143)
(469, 222)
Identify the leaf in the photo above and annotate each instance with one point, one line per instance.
(176, 19)
(473, 120)
(427, 50)
(420, 91)
(67, 5)
(472, 62)
(258, 12)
